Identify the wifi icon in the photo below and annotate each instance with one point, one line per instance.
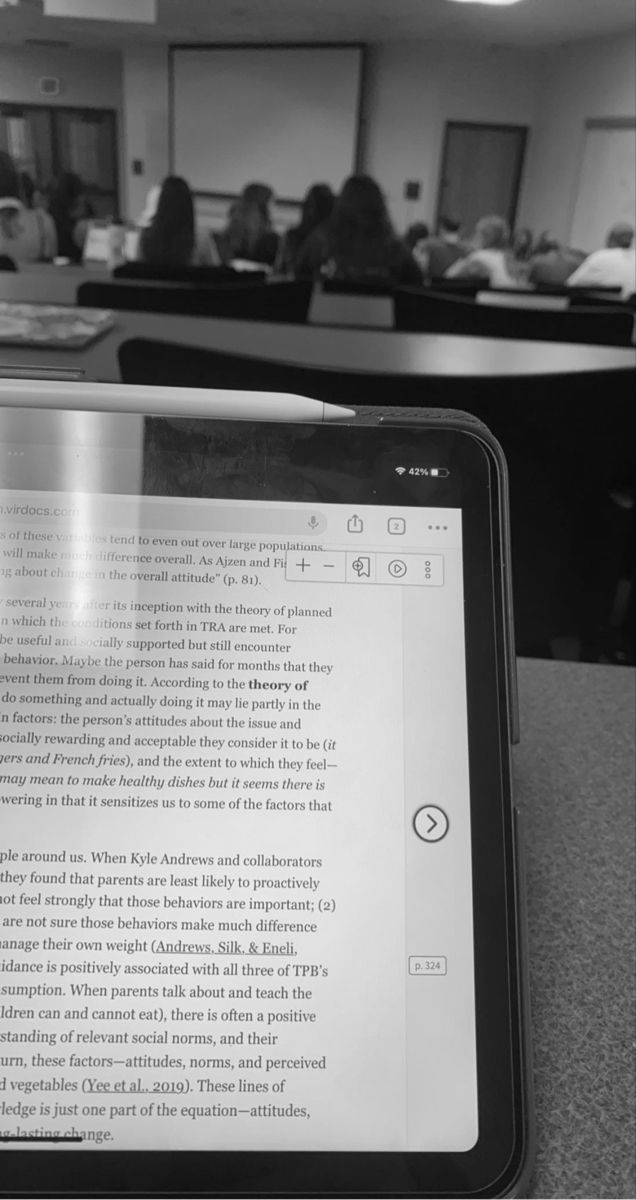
(400, 470)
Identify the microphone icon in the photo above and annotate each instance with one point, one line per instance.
(313, 522)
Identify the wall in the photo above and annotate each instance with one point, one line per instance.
(89, 78)
(146, 125)
(585, 80)
(414, 88)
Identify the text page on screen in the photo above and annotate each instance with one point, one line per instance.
(235, 872)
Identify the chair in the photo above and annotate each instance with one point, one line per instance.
(287, 301)
(563, 460)
(604, 299)
(7, 263)
(575, 297)
(167, 274)
(418, 311)
(357, 287)
(363, 307)
(457, 287)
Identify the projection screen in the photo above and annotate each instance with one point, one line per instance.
(287, 116)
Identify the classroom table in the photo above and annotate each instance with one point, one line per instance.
(43, 283)
(364, 350)
(574, 784)
(46, 284)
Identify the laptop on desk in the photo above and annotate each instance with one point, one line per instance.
(96, 248)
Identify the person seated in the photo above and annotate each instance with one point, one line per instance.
(551, 263)
(172, 237)
(10, 210)
(10, 213)
(615, 266)
(440, 252)
(358, 241)
(150, 207)
(416, 239)
(249, 234)
(491, 259)
(36, 240)
(71, 211)
(520, 254)
(317, 207)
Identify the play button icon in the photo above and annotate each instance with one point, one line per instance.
(430, 823)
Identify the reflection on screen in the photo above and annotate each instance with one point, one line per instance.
(235, 883)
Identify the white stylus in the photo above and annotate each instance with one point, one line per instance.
(167, 401)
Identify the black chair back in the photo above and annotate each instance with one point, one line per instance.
(287, 301)
(604, 299)
(419, 311)
(150, 272)
(576, 297)
(458, 287)
(7, 263)
(357, 287)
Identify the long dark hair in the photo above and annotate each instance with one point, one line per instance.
(249, 218)
(317, 207)
(170, 237)
(360, 226)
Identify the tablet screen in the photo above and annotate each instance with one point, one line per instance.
(235, 871)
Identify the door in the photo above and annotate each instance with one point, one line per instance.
(606, 190)
(481, 171)
(46, 141)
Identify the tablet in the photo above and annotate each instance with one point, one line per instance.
(259, 911)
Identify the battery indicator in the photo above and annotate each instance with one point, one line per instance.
(439, 472)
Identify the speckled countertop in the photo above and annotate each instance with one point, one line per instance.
(575, 786)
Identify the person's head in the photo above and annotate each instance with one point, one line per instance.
(169, 239)
(492, 233)
(248, 220)
(522, 244)
(317, 206)
(359, 229)
(362, 207)
(448, 227)
(10, 204)
(260, 195)
(415, 234)
(546, 244)
(10, 209)
(620, 236)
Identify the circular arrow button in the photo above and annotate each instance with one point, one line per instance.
(430, 823)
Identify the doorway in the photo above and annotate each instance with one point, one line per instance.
(607, 181)
(44, 141)
(481, 171)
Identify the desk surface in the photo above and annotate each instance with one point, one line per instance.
(364, 350)
(46, 284)
(574, 785)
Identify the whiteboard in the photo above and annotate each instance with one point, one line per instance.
(283, 116)
(607, 186)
